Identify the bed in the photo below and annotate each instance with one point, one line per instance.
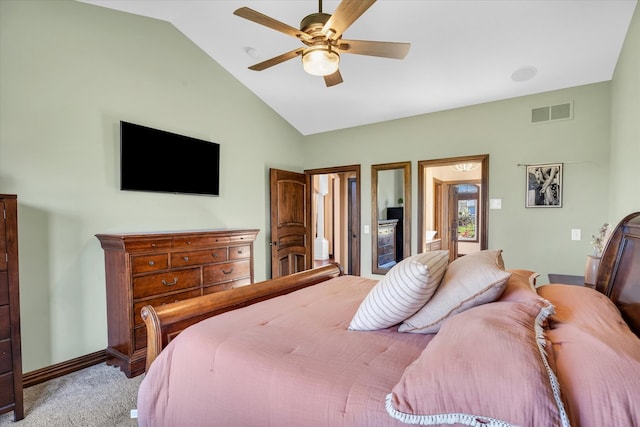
(319, 348)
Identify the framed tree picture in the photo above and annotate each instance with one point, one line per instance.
(544, 186)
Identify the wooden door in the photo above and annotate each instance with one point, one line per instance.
(290, 248)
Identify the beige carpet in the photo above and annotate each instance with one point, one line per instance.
(98, 396)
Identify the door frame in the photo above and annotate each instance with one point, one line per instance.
(355, 210)
(483, 204)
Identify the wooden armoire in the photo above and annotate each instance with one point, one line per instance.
(10, 346)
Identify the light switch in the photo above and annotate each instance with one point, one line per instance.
(576, 234)
(366, 229)
(495, 203)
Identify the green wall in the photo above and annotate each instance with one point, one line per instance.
(537, 239)
(69, 72)
(625, 125)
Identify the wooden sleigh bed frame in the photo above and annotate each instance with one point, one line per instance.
(618, 278)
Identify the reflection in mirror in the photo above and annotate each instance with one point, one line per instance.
(390, 214)
(452, 204)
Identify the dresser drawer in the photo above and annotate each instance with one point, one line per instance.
(386, 250)
(142, 245)
(433, 245)
(4, 288)
(156, 302)
(386, 259)
(240, 252)
(182, 259)
(7, 395)
(384, 231)
(217, 287)
(147, 263)
(156, 284)
(5, 328)
(226, 285)
(226, 272)
(387, 240)
(187, 242)
(5, 356)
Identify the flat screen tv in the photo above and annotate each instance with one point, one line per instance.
(159, 161)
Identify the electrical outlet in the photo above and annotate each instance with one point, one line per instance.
(495, 203)
(576, 234)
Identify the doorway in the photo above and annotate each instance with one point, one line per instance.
(453, 204)
(335, 216)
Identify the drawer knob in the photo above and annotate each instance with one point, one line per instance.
(215, 255)
(153, 245)
(152, 262)
(186, 258)
(228, 271)
(173, 282)
(240, 251)
(189, 242)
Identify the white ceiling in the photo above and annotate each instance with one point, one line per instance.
(462, 52)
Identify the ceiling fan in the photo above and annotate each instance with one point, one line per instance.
(321, 34)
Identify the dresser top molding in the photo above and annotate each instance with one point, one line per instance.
(117, 241)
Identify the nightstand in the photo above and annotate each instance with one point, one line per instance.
(567, 279)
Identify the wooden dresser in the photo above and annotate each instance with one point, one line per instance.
(11, 397)
(387, 243)
(433, 245)
(159, 268)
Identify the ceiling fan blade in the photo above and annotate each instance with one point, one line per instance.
(374, 48)
(333, 79)
(276, 60)
(345, 15)
(267, 21)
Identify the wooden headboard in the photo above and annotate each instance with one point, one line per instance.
(619, 271)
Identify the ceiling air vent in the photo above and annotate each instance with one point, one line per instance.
(553, 112)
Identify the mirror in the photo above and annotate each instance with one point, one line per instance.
(390, 215)
(452, 204)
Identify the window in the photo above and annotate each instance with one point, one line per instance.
(467, 212)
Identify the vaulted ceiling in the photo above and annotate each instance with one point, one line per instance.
(462, 52)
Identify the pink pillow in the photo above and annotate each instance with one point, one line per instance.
(484, 366)
(474, 279)
(597, 357)
(520, 286)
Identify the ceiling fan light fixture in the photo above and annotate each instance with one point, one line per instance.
(320, 60)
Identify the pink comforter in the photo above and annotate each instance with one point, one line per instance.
(253, 367)
(291, 361)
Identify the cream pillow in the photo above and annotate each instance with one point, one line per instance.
(402, 291)
(471, 280)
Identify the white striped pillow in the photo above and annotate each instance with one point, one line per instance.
(402, 292)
